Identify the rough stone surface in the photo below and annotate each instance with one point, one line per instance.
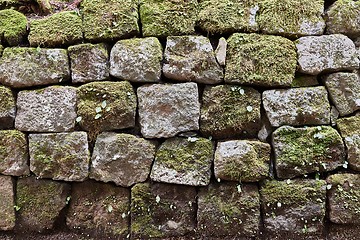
(220, 51)
(349, 130)
(344, 17)
(106, 106)
(166, 18)
(297, 106)
(137, 60)
(317, 54)
(89, 62)
(293, 209)
(229, 111)
(39, 203)
(183, 161)
(300, 151)
(344, 91)
(168, 109)
(161, 210)
(52, 109)
(229, 210)
(242, 160)
(7, 108)
(305, 81)
(7, 220)
(108, 20)
(250, 60)
(343, 197)
(13, 27)
(63, 28)
(121, 158)
(13, 153)
(291, 18)
(98, 208)
(60, 156)
(343, 231)
(27, 67)
(191, 58)
(334, 115)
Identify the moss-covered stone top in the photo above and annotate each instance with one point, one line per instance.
(7, 101)
(13, 26)
(349, 126)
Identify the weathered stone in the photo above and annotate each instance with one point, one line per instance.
(229, 210)
(98, 208)
(39, 203)
(51, 109)
(317, 54)
(166, 18)
(168, 109)
(63, 28)
(7, 220)
(106, 106)
(297, 106)
(220, 51)
(13, 27)
(13, 153)
(162, 210)
(191, 58)
(230, 111)
(291, 18)
(300, 151)
(250, 60)
(293, 209)
(242, 160)
(265, 130)
(349, 130)
(137, 60)
(334, 115)
(343, 17)
(27, 67)
(184, 161)
(121, 158)
(343, 197)
(344, 91)
(219, 17)
(343, 231)
(108, 20)
(305, 81)
(89, 62)
(60, 156)
(7, 108)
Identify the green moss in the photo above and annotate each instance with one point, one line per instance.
(63, 28)
(13, 26)
(349, 126)
(165, 18)
(7, 101)
(12, 139)
(304, 81)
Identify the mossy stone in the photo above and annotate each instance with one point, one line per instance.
(7, 221)
(304, 81)
(63, 28)
(261, 60)
(7, 108)
(349, 126)
(13, 27)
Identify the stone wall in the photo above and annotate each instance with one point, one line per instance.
(209, 119)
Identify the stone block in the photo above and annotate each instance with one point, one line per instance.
(7, 220)
(7, 108)
(13, 28)
(305, 81)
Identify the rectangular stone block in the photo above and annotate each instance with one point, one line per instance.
(7, 108)
(7, 220)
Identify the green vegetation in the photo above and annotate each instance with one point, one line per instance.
(7, 101)
(13, 26)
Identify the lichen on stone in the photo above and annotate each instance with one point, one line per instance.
(7, 107)
(13, 27)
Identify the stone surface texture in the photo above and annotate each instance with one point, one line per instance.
(7, 108)
(220, 51)
(121, 158)
(13, 27)
(7, 220)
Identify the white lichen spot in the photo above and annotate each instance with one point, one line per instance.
(78, 119)
(328, 187)
(288, 181)
(279, 204)
(238, 188)
(157, 199)
(345, 165)
(318, 136)
(97, 116)
(319, 128)
(98, 109)
(123, 215)
(192, 139)
(109, 208)
(249, 108)
(219, 180)
(103, 104)
(241, 91)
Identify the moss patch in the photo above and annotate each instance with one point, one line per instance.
(7, 101)
(13, 27)
(349, 126)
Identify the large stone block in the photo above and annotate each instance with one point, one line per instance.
(60, 156)
(191, 58)
(13, 27)
(39, 203)
(161, 210)
(121, 158)
(137, 60)
(28, 67)
(293, 209)
(229, 211)
(166, 18)
(168, 109)
(262, 60)
(7, 108)
(52, 109)
(242, 160)
(13, 153)
(184, 161)
(291, 18)
(7, 220)
(300, 151)
(297, 106)
(344, 91)
(63, 28)
(108, 20)
(230, 111)
(99, 209)
(317, 54)
(89, 62)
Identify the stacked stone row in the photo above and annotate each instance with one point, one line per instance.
(180, 139)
